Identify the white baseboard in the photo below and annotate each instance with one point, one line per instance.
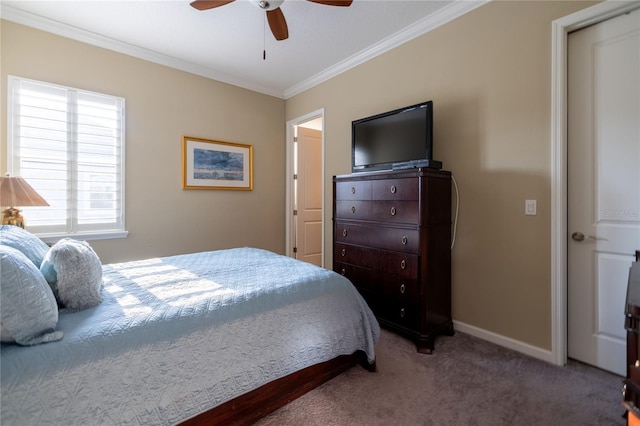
(516, 345)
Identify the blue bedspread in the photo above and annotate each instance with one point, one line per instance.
(179, 335)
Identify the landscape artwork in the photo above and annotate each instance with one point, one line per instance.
(209, 164)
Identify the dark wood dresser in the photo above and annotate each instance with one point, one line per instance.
(632, 325)
(392, 238)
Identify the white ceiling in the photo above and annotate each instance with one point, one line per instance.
(227, 43)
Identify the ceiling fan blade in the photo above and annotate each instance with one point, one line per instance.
(344, 3)
(209, 4)
(278, 24)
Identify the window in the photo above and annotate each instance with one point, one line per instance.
(69, 145)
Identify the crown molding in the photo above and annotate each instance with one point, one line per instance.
(448, 13)
(48, 25)
(442, 16)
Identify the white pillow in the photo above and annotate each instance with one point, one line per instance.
(29, 312)
(74, 272)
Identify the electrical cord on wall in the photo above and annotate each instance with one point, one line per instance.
(455, 220)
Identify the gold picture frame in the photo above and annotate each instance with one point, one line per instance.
(210, 164)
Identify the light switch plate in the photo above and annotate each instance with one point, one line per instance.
(530, 207)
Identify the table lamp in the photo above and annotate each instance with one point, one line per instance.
(15, 191)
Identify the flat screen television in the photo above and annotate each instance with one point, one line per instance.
(400, 138)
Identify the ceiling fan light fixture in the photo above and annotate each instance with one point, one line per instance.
(268, 5)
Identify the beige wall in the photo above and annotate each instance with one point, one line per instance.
(489, 75)
(162, 105)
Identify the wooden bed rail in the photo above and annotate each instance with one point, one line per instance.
(252, 406)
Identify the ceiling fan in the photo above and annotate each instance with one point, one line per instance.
(275, 17)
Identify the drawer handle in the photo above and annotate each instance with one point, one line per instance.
(402, 288)
(401, 312)
(343, 252)
(344, 232)
(353, 209)
(393, 189)
(403, 265)
(393, 211)
(353, 189)
(405, 240)
(343, 272)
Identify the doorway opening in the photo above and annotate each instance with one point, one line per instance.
(305, 188)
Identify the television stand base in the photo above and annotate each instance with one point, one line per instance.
(431, 164)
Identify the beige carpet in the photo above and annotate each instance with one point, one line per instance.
(466, 381)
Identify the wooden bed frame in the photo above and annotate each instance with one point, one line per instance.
(252, 406)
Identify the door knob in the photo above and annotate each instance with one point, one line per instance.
(579, 236)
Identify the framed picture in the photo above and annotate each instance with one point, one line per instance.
(208, 164)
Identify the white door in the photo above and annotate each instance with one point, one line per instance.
(603, 186)
(309, 196)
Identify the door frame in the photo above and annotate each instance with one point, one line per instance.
(560, 30)
(289, 205)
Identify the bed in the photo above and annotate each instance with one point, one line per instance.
(214, 337)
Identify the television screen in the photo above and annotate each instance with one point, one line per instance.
(392, 137)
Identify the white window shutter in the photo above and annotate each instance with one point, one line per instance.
(69, 145)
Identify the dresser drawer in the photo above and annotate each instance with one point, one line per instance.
(362, 278)
(400, 212)
(397, 239)
(355, 190)
(395, 189)
(353, 209)
(395, 212)
(404, 265)
(390, 286)
(405, 315)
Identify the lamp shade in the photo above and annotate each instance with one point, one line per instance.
(15, 191)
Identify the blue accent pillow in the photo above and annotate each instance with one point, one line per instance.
(29, 310)
(74, 272)
(30, 245)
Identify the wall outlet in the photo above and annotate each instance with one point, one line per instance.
(530, 207)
